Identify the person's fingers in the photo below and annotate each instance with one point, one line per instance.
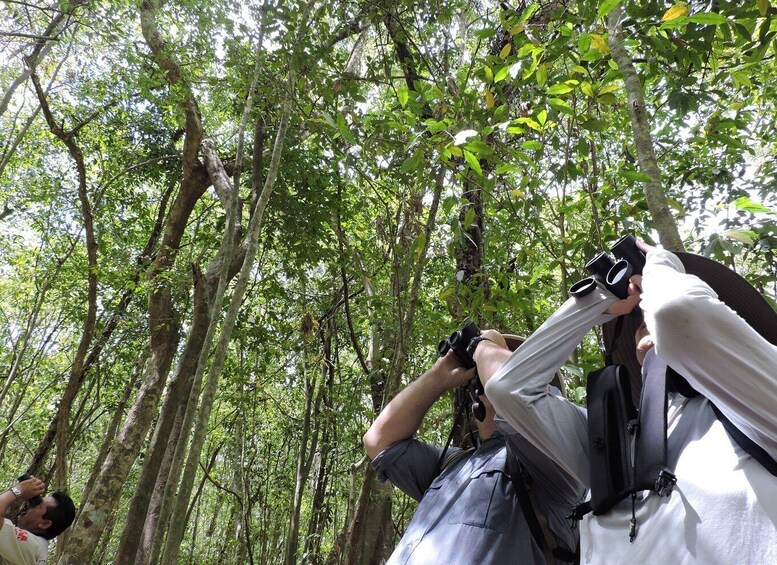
(644, 247)
(495, 336)
(643, 346)
(635, 284)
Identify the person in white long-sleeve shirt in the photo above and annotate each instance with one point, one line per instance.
(724, 505)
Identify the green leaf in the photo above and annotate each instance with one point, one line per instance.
(469, 217)
(403, 95)
(594, 125)
(502, 73)
(525, 50)
(528, 12)
(636, 176)
(746, 204)
(433, 126)
(560, 106)
(607, 7)
(529, 122)
(743, 236)
(531, 145)
(708, 19)
(473, 162)
(479, 148)
(447, 292)
(489, 74)
(542, 75)
(506, 168)
(412, 162)
(560, 88)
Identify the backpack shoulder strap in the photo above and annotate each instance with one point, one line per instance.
(681, 385)
(753, 449)
(538, 525)
(650, 470)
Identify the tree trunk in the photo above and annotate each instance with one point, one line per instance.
(164, 436)
(320, 514)
(371, 536)
(658, 205)
(302, 473)
(177, 525)
(370, 533)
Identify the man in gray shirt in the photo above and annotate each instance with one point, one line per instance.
(469, 506)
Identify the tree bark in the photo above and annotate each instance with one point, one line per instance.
(163, 325)
(177, 525)
(669, 236)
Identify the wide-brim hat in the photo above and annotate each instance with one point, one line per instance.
(731, 288)
(515, 341)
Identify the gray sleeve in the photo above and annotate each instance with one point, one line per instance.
(410, 465)
(519, 390)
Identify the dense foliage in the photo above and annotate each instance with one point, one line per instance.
(419, 133)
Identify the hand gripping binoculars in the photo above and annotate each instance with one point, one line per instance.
(463, 343)
(35, 500)
(613, 271)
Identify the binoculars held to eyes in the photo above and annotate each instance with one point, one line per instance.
(613, 271)
(35, 500)
(463, 342)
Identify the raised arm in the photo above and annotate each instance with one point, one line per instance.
(23, 490)
(712, 346)
(402, 417)
(518, 388)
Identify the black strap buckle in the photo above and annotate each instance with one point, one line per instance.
(665, 482)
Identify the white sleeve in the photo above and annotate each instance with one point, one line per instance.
(708, 343)
(519, 389)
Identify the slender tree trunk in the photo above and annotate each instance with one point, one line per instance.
(320, 514)
(666, 225)
(370, 534)
(307, 448)
(177, 525)
(164, 435)
(301, 475)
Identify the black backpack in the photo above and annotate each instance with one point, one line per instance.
(614, 423)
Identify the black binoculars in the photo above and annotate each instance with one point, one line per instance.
(460, 342)
(613, 271)
(35, 500)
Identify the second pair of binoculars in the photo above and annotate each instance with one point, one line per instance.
(612, 269)
(463, 342)
(459, 342)
(35, 500)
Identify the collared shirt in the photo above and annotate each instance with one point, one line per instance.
(470, 513)
(20, 547)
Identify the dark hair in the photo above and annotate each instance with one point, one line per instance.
(61, 515)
